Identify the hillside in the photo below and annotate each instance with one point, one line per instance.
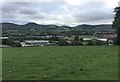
(55, 28)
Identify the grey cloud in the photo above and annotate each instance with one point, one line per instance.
(93, 12)
(8, 8)
(35, 17)
(15, 6)
(50, 11)
(28, 12)
(94, 16)
(10, 16)
(17, 9)
(21, 4)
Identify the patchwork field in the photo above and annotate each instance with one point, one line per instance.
(61, 63)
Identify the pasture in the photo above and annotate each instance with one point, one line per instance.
(60, 63)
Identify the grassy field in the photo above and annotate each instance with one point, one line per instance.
(61, 63)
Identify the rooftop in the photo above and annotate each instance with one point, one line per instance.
(3, 37)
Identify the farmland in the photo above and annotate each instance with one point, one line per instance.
(61, 63)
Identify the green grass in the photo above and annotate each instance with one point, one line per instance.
(61, 63)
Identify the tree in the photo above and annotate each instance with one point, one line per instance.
(10, 42)
(76, 38)
(116, 23)
(63, 42)
(76, 41)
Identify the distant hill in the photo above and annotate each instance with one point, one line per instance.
(105, 27)
(55, 28)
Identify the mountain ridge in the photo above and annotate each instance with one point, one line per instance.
(31, 23)
(55, 28)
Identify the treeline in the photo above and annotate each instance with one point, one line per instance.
(116, 24)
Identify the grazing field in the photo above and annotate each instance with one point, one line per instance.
(61, 63)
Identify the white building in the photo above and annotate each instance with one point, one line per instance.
(1, 38)
(87, 39)
(29, 43)
(102, 39)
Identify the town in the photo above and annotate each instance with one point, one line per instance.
(32, 36)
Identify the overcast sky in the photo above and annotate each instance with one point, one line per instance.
(59, 12)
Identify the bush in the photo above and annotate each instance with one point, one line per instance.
(4, 41)
(115, 41)
(92, 42)
(95, 42)
(99, 43)
(10, 42)
(17, 44)
(76, 38)
(76, 43)
(63, 43)
(54, 38)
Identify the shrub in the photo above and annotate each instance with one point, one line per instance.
(63, 42)
(115, 41)
(90, 43)
(17, 44)
(76, 43)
